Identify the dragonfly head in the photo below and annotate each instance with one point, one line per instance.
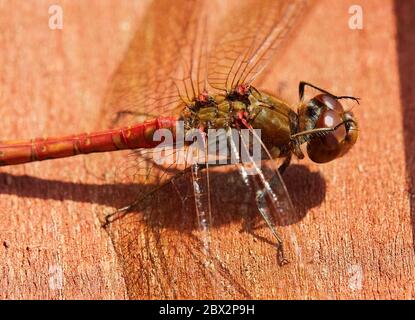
(325, 111)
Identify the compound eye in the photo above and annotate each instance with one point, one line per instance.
(330, 119)
(337, 142)
(330, 102)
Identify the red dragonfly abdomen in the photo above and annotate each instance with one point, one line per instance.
(38, 149)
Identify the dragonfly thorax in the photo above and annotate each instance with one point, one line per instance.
(246, 109)
(218, 112)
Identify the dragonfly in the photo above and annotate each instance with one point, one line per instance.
(177, 78)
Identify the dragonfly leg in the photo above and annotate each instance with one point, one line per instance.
(268, 199)
(122, 113)
(303, 84)
(122, 212)
(118, 214)
(261, 201)
(285, 164)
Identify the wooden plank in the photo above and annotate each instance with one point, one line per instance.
(53, 82)
(352, 238)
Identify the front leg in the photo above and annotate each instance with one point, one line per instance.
(285, 164)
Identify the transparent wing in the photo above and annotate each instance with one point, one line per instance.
(158, 242)
(202, 193)
(163, 69)
(246, 44)
(164, 53)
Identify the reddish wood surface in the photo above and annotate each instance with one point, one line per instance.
(353, 237)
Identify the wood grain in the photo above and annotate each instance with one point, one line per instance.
(352, 238)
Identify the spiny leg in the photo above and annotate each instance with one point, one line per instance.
(281, 170)
(121, 212)
(266, 215)
(285, 164)
(263, 190)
